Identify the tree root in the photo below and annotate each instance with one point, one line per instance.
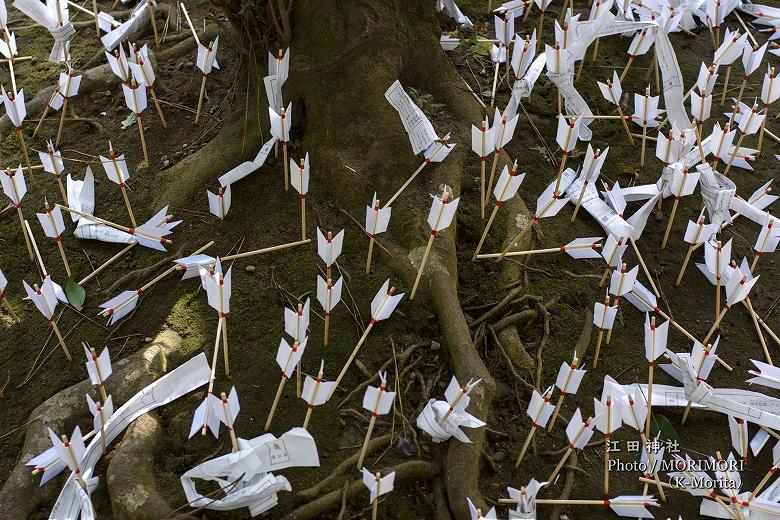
(21, 495)
(401, 358)
(516, 319)
(415, 470)
(500, 307)
(568, 485)
(508, 360)
(141, 274)
(130, 474)
(543, 343)
(342, 468)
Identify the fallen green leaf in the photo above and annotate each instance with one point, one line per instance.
(75, 293)
(661, 426)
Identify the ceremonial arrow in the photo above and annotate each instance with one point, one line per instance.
(144, 75)
(604, 318)
(227, 409)
(377, 220)
(579, 433)
(219, 203)
(101, 411)
(539, 410)
(568, 382)
(121, 305)
(481, 140)
(98, 368)
(280, 127)
(378, 401)
(315, 393)
(287, 357)
(578, 248)
(147, 234)
(218, 288)
(45, 301)
(17, 111)
(703, 359)
(52, 162)
(68, 87)
(300, 181)
(377, 486)
(457, 398)
(382, 306)
(613, 92)
(329, 248)
(329, 295)
(506, 187)
(624, 505)
(53, 227)
(15, 189)
(439, 218)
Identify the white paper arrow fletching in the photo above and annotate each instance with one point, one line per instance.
(378, 402)
(119, 306)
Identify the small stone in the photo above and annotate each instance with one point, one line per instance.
(185, 145)
(164, 158)
(107, 93)
(190, 64)
(166, 163)
(178, 155)
(435, 345)
(147, 339)
(250, 269)
(563, 517)
(179, 65)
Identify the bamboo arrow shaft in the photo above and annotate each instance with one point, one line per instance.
(412, 177)
(527, 441)
(140, 125)
(275, 403)
(564, 249)
(26, 156)
(754, 317)
(24, 232)
(62, 119)
(364, 448)
(671, 221)
(644, 267)
(107, 263)
(157, 105)
(422, 265)
(485, 232)
(200, 101)
(130, 213)
(60, 339)
(266, 250)
(351, 357)
(558, 406)
(223, 319)
(10, 309)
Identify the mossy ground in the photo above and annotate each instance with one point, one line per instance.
(263, 215)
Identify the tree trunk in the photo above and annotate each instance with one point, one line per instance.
(345, 54)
